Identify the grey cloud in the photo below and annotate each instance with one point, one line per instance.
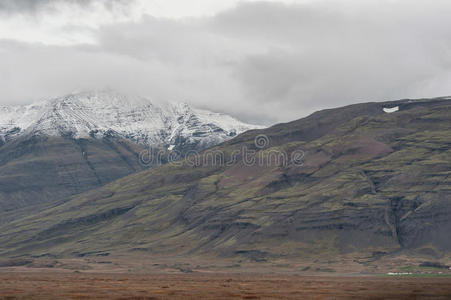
(263, 62)
(324, 55)
(33, 6)
(22, 5)
(34, 72)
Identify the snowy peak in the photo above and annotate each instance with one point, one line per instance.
(105, 113)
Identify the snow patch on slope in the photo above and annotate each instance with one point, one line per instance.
(390, 110)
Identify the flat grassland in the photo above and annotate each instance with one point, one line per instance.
(74, 285)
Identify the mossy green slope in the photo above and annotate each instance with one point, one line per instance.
(370, 182)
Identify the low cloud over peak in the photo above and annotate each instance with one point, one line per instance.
(261, 61)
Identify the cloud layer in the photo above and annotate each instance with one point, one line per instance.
(264, 62)
(33, 6)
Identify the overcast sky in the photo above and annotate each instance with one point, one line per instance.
(262, 62)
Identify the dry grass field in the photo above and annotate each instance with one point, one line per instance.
(74, 285)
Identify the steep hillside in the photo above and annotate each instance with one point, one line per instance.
(37, 171)
(367, 179)
(61, 147)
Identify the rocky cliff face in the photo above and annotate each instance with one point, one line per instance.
(61, 147)
(372, 181)
(106, 113)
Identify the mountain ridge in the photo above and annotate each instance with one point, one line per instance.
(373, 184)
(57, 148)
(100, 113)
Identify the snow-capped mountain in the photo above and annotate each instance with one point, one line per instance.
(106, 113)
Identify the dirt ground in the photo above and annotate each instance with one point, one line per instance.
(74, 285)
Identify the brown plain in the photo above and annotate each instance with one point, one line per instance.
(70, 285)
